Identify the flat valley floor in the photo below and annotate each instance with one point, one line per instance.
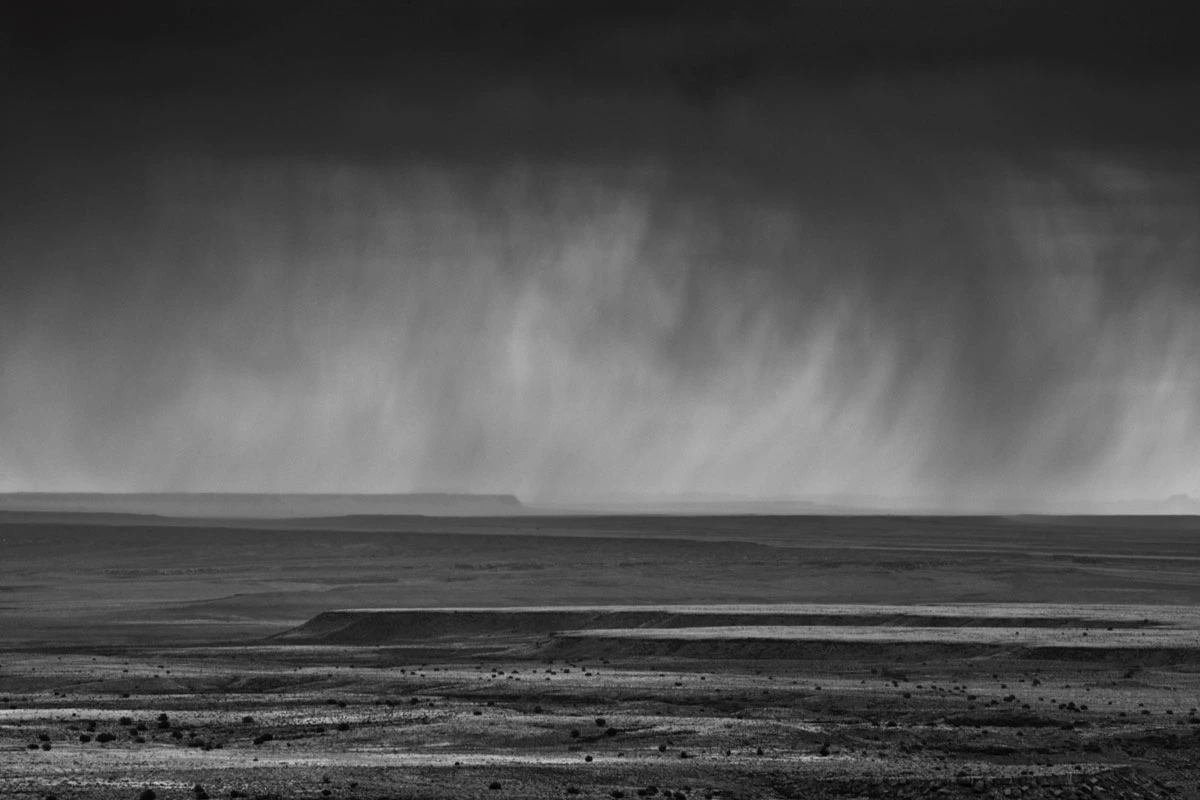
(599, 657)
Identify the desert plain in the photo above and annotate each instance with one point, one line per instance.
(599, 657)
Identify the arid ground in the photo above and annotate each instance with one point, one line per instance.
(589, 657)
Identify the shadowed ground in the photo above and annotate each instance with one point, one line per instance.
(129, 579)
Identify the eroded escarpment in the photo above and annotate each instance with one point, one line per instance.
(382, 626)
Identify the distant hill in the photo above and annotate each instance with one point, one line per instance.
(264, 506)
(1175, 505)
(1179, 504)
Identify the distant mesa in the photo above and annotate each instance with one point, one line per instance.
(263, 506)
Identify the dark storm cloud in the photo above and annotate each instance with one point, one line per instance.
(579, 248)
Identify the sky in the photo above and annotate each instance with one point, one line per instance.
(935, 250)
